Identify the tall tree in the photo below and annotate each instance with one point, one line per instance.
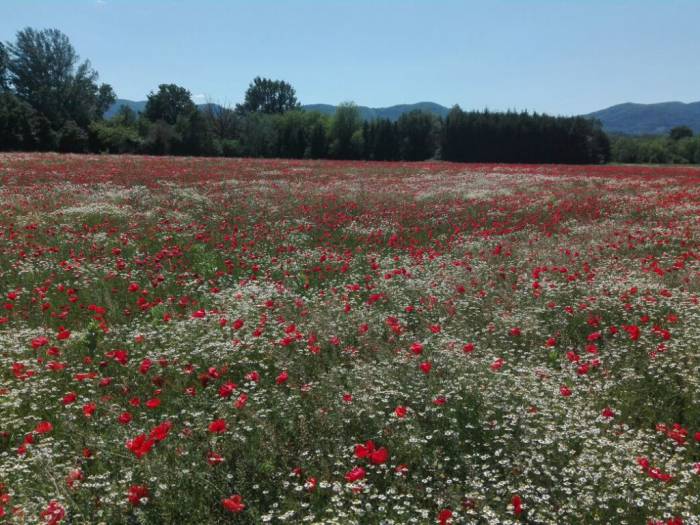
(4, 62)
(168, 103)
(269, 96)
(44, 72)
(416, 135)
(346, 122)
(680, 132)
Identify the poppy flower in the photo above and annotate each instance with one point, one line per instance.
(445, 516)
(400, 411)
(363, 451)
(214, 458)
(234, 504)
(218, 426)
(125, 418)
(136, 494)
(241, 401)
(517, 503)
(38, 342)
(355, 474)
(282, 377)
(426, 366)
(53, 513)
(43, 427)
(160, 432)
(140, 445)
(379, 456)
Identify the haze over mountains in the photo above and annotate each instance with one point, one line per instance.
(627, 118)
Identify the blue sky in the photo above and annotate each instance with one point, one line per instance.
(559, 57)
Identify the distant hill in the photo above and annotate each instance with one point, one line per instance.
(392, 113)
(629, 118)
(649, 119)
(137, 106)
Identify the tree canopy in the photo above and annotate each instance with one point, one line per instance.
(168, 103)
(269, 96)
(44, 71)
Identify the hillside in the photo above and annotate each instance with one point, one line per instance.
(649, 119)
(392, 112)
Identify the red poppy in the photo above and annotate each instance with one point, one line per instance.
(140, 445)
(234, 503)
(136, 494)
(218, 426)
(43, 427)
(379, 456)
(517, 503)
(125, 418)
(160, 432)
(214, 458)
(445, 516)
(355, 474)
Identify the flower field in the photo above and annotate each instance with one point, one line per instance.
(264, 341)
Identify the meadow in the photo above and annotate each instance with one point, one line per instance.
(283, 341)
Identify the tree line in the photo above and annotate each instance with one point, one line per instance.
(49, 100)
(680, 146)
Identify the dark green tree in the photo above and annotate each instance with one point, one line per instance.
(680, 132)
(344, 126)
(17, 119)
(44, 72)
(269, 96)
(4, 62)
(416, 135)
(168, 103)
(125, 117)
(318, 140)
(72, 138)
(196, 137)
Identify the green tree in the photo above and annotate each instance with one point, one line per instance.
(44, 72)
(125, 117)
(269, 96)
(345, 126)
(196, 137)
(416, 135)
(318, 140)
(4, 62)
(17, 120)
(680, 132)
(168, 103)
(72, 138)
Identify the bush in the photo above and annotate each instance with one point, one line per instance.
(72, 138)
(113, 138)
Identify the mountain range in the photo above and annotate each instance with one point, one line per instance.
(628, 118)
(649, 119)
